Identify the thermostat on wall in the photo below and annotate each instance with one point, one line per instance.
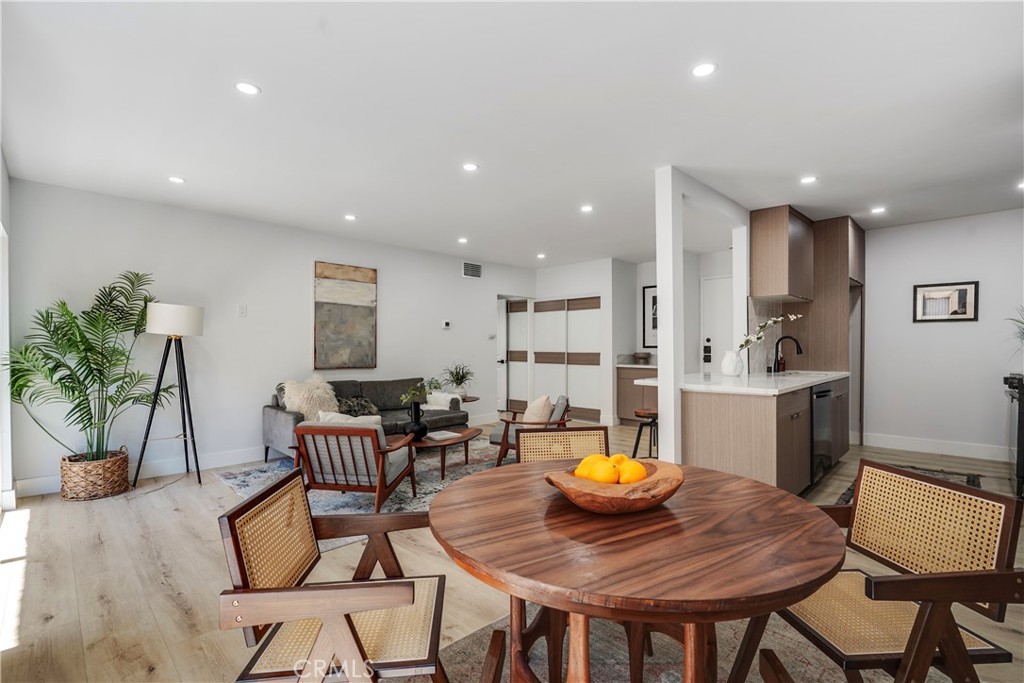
(446, 324)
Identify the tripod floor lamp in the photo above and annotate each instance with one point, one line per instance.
(175, 322)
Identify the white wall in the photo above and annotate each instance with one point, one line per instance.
(716, 263)
(70, 242)
(937, 387)
(624, 307)
(646, 276)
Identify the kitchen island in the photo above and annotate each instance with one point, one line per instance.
(760, 426)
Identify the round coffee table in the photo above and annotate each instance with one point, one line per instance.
(466, 435)
(723, 548)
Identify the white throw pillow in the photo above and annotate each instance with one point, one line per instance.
(539, 410)
(442, 401)
(310, 397)
(330, 418)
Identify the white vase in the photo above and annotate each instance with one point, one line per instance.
(459, 389)
(732, 364)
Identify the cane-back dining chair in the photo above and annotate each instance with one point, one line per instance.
(367, 628)
(561, 444)
(339, 458)
(949, 543)
(506, 435)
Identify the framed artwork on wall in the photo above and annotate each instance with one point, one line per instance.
(650, 336)
(344, 316)
(946, 302)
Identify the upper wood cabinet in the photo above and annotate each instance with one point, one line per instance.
(781, 255)
(856, 246)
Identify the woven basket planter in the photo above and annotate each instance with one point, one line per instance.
(82, 479)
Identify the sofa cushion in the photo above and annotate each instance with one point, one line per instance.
(356, 406)
(309, 397)
(539, 410)
(343, 419)
(345, 388)
(387, 394)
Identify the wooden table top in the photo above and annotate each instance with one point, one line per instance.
(465, 434)
(724, 547)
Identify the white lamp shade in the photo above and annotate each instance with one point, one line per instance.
(174, 320)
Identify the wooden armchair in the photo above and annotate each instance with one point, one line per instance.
(341, 458)
(950, 543)
(369, 629)
(506, 434)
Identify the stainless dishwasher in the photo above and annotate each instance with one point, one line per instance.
(821, 431)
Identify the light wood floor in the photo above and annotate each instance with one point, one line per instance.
(124, 589)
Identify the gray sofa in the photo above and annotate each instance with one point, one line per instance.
(279, 424)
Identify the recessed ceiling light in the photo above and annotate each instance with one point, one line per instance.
(541, 256)
(705, 69)
(462, 240)
(248, 88)
(808, 179)
(1021, 186)
(470, 166)
(349, 217)
(586, 208)
(175, 179)
(878, 209)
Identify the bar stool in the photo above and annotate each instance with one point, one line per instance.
(651, 422)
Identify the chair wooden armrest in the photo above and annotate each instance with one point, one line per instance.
(771, 668)
(840, 514)
(256, 606)
(405, 441)
(343, 526)
(534, 424)
(987, 585)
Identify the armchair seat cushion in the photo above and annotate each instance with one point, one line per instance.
(853, 624)
(391, 637)
(499, 431)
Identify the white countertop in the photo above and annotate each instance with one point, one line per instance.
(757, 385)
(648, 366)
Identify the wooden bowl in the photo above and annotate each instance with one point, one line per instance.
(663, 480)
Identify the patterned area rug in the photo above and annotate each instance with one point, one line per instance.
(246, 481)
(609, 664)
(956, 477)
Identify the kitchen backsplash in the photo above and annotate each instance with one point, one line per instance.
(762, 353)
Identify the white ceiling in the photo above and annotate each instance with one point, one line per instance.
(372, 109)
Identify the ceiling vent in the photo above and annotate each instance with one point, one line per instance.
(472, 269)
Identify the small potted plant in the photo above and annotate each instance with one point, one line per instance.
(84, 360)
(458, 377)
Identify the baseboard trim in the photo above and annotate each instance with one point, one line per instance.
(964, 450)
(485, 418)
(7, 499)
(37, 486)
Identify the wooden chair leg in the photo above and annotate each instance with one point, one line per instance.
(771, 668)
(748, 648)
(439, 675)
(501, 454)
(636, 637)
(266, 453)
(494, 662)
(924, 638)
(853, 676)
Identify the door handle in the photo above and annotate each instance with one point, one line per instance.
(501, 361)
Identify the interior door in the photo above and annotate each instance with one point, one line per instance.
(517, 355)
(716, 317)
(501, 344)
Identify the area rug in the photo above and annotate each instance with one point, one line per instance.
(246, 481)
(973, 480)
(609, 663)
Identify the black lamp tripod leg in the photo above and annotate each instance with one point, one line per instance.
(181, 400)
(191, 434)
(152, 409)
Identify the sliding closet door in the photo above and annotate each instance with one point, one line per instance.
(583, 357)
(518, 360)
(549, 348)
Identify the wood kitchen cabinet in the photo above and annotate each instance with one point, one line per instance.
(630, 396)
(856, 255)
(840, 418)
(781, 255)
(793, 441)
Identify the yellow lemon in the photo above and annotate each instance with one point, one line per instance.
(604, 471)
(631, 471)
(583, 469)
(619, 458)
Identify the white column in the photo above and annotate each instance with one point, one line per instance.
(668, 238)
(740, 289)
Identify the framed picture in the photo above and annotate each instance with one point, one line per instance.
(344, 316)
(946, 302)
(650, 317)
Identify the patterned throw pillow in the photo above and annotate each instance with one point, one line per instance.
(356, 406)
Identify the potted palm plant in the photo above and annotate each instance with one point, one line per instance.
(84, 361)
(458, 377)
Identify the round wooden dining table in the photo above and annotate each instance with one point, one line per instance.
(723, 547)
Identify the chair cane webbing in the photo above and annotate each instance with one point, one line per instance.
(561, 444)
(276, 539)
(925, 528)
(855, 624)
